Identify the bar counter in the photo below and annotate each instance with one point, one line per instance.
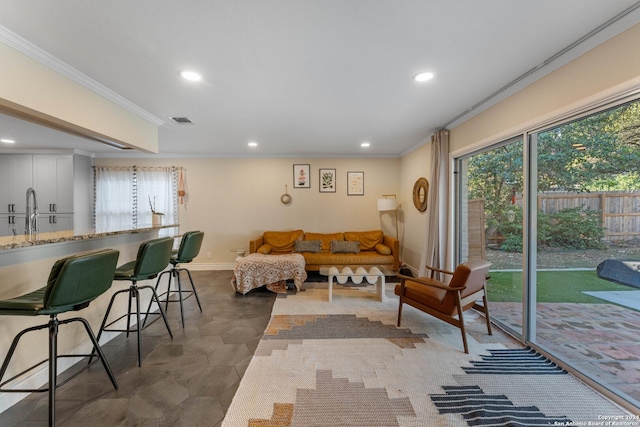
(25, 264)
(36, 239)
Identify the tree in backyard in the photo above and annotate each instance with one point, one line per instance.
(591, 154)
(596, 153)
(496, 177)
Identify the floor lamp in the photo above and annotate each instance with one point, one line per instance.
(388, 202)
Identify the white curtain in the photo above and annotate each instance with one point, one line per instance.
(125, 196)
(437, 214)
(157, 191)
(114, 207)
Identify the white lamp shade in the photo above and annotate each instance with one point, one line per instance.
(387, 204)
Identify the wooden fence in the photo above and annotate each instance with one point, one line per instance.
(619, 211)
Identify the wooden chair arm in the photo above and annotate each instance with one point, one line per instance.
(428, 282)
(440, 270)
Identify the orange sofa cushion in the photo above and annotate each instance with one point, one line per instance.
(282, 241)
(368, 239)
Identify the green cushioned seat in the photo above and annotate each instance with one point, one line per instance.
(25, 305)
(73, 283)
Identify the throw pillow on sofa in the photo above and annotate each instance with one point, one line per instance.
(325, 238)
(344, 247)
(264, 249)
(383, 249)
(307, 246)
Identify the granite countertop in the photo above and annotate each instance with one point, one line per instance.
(26, 240)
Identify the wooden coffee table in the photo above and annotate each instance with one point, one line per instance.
(373, 274)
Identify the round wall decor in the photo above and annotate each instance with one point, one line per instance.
(285, 199)
(420, 193)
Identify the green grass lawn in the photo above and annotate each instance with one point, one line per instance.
(553, 286)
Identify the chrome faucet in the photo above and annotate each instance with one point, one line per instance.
(32, 212)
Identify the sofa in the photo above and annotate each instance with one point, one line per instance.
(357, 248)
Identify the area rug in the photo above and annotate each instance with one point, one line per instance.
(345, 363)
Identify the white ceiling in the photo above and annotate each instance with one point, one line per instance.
(305, 78)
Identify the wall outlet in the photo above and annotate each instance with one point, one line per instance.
(209, 255)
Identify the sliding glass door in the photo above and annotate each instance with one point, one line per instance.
(588, 224)
(559, 219)
(490, 224)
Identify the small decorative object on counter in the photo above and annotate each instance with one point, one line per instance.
(156, 217)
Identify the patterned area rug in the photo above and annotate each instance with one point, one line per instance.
(345, 363)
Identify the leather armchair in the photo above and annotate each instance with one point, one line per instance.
(446, 301)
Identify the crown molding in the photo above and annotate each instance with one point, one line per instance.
(13, 40)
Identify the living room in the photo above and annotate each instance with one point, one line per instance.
(234, 198)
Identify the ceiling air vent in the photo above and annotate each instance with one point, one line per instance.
(182, 120)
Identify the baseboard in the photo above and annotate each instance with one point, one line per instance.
(414, 271)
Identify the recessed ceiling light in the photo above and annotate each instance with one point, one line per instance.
(252, 144)
(191, 76)
(7, 141)
(365, 145)
(423, 77)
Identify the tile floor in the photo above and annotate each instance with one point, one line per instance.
(187, 381)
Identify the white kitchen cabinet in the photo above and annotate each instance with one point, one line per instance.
(55, 222)
(64, 188)
(53, 183)
(12, 224)
(15, 178)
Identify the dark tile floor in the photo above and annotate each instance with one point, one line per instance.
(187, 381)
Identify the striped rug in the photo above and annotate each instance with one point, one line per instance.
(345, 363)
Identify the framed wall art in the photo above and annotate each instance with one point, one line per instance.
(301, 178)
(355, 183)
(327, 181)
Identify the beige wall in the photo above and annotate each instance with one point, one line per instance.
(30, 89)
(413, 166)
(234, 200)
(607, 70)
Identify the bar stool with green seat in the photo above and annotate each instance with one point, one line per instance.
(73, 283)
(189, 249)
(153, 256)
